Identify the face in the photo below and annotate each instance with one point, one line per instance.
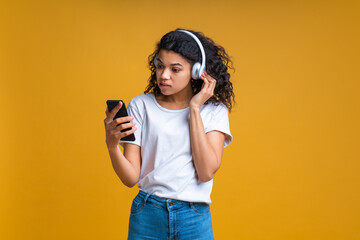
(173, 73)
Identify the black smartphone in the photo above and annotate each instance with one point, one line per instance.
(121, 113)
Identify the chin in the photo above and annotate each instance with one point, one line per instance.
(166, 93)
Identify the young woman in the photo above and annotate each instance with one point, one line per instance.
(181, 127)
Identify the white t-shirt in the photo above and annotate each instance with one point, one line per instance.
(167, 168)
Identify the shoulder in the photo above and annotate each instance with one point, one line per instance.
(218, 120)
(140, 100)
(216, 108)
(138, 106)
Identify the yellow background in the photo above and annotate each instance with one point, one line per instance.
(292, 171)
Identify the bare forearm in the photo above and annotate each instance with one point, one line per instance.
(205, 160)
(123, 168)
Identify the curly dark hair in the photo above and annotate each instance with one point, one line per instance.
(217, 64)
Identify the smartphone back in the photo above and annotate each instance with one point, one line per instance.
(121, 113)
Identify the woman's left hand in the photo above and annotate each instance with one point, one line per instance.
(206, 92)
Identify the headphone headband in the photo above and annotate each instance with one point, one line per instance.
(200, 46)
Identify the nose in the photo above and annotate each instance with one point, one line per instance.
(165, 74)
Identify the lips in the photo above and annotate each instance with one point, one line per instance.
(163, 85)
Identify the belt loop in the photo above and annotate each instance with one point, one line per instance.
(146, 197)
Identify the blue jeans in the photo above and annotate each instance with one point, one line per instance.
(160, 218)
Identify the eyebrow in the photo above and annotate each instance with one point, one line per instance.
(173, 64)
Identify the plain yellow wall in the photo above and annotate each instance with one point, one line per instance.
(292, 171)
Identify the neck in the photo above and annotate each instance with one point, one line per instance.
(179, 100)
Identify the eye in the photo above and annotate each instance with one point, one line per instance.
(175, 70)
(159, 66)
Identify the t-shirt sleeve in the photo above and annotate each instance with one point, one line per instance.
(220, 122)
(134, 110)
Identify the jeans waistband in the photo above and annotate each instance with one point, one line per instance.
(162, 202)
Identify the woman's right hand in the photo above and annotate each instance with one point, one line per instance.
(113, 132)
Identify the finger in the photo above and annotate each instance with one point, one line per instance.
(208, 76)
(205, 78)
(115, 110)
(124, 134)
(212, 86)
(122, 120)
(204, 73)
(121, 128)
(212, 81)
(124, 126)
(118, 121)
(206, 85)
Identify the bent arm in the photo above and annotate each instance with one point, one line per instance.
(207, 148)
(127, 166)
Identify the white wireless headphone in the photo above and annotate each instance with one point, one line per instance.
(197, 68)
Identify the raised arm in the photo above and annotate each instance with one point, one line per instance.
(207, 148)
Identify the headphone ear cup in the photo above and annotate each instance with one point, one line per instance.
(196, 70)
(155, 61)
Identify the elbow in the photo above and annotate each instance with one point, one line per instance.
(206, 177)
(130, 184)
(206, 170)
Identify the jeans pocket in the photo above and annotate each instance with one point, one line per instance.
(200, 208)
(137, 205)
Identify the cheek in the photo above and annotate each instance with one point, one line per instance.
(186, 76)
(184, 80)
